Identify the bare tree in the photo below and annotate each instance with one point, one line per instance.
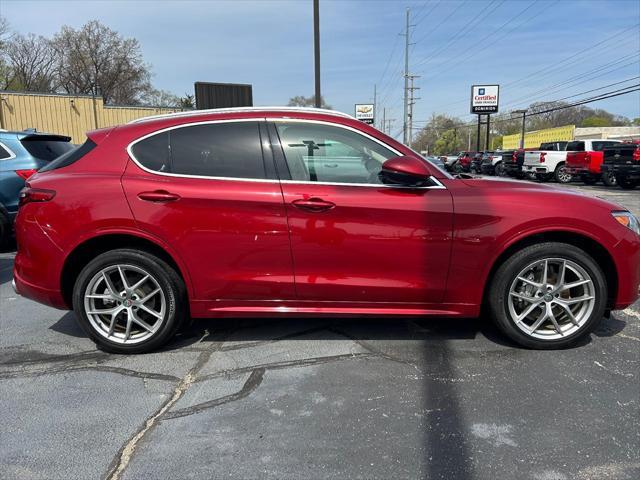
(32, 63)
(302, 101)
(96, 60)
(161, 98)
(5, 68)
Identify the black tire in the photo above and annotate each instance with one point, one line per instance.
(627, 184)
(589, 179)
(457, 168)
(505, 275)
(166, 277)
(5, 231)
(499, 170)
(609, 179)
(561, 175)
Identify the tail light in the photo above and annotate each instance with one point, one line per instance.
(542, 155)
(25, 174)
(636, 155)
(514, 156)
(30, 195)
(587, 157)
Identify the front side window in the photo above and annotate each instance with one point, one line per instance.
(330, 154)
(231, 150)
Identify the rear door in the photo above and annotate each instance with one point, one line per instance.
(354, 239)
(207, 190)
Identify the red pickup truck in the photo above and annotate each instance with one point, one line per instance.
(584, 160)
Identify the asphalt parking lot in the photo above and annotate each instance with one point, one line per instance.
(304, 398)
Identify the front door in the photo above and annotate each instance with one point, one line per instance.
(354, 239)
(206, 190)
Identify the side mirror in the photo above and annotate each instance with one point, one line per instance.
(405, 171)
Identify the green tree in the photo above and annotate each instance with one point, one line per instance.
(596, 122)
(447, 143)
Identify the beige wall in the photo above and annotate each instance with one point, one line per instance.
(65, 114)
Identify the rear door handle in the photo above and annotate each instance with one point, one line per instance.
(159, 196)
(313, 204)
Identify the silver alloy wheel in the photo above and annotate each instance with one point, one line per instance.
(563, 175)
(125, 304)
(551, 298)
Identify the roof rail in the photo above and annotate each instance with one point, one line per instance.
(241, 109)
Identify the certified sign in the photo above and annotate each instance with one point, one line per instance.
(364, 113)
(484, 98)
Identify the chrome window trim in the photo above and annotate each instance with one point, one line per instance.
(11, 156)
(438, 185)
(242, 110)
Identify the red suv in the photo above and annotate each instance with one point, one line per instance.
(248, 212)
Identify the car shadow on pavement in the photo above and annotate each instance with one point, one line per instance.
(6, 270)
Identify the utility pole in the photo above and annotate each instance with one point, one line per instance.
(412, 102)
(524, 119)
(384, 118)
(405, 117)
(375, 105)
(316, 49)
(469, 145)
(486, 143)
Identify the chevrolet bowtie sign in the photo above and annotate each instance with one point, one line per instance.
(365, 113)
(484, 99)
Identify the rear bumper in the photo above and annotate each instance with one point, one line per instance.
(577, 170)
(53, 298)
(632, 171)
(537, 168)
(512, 169)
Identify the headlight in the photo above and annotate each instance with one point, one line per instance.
(628, 220)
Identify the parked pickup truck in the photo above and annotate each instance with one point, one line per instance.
(512, 165)
(463, 164)
(547, 162)
(622, 160)
(492, 162)
(584, 159)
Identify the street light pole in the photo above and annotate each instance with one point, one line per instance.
(316, 48)
(524, 119)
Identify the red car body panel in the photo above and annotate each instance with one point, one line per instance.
(244, 247)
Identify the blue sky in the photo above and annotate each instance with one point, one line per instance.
(521, 45)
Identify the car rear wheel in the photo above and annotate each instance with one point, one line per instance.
(499, 169)
(609, 179)
(561, 174)
(548, 296)
(129, 301)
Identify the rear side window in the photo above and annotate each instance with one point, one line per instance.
(4, 153)
(231, 150)
(70, 157)
(46, 148)
(598, 146)
(575, 146)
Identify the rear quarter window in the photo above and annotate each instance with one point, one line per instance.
(575, 146)
(70, 157)
(4, 152)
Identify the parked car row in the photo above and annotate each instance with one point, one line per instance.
(612, 162)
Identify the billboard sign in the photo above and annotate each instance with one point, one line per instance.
(223, 95)
(365, 113)
(484, 99)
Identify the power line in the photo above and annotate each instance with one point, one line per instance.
(552, 69)
(464, 31)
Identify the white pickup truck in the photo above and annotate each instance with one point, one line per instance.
(547, 162)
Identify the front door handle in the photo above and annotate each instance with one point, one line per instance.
(159, 196)
(313, 204)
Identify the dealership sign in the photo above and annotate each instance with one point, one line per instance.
(484, 98)
(364, 113)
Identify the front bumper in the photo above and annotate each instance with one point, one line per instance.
(627, 258)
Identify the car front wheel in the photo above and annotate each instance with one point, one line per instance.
(548, 296)
(129, 301)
